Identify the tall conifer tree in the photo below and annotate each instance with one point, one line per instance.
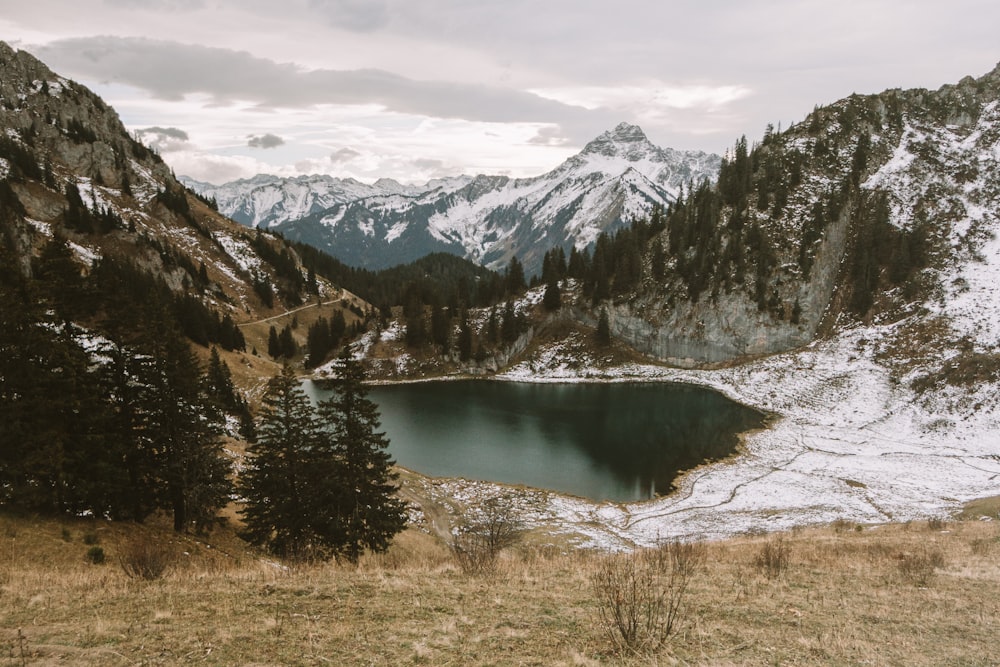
(368, 512)
(282, 511)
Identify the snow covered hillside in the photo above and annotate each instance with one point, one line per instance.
(892, 413)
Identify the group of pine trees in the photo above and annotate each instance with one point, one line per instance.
(119, 426)
(318, 482)
(129, 423)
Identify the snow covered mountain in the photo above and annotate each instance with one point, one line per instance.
(618, 176)
(266, 200)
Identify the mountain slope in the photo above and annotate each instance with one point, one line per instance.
(71, 165)
(879, 208)
(488, 219)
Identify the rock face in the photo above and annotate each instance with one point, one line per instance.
(76, 128)
(618, 176)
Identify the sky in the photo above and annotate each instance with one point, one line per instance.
(422, 89)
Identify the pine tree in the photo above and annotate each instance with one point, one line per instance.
(515, 277)
(441, 327)
(552, 300)
(282, 511)
(368, 514)
(273, 344)
(289, 348)
(603, 329)
(191, 469)
(510, 325)
(464, 337)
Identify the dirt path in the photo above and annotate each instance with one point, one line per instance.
(343, 295)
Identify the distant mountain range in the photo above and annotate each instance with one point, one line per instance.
(617, 177)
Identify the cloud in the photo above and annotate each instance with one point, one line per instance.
(264, 141)
(353, 15)
(158, 5)
(427, 163)
(172, 71)
(169, 132)
(164, 139)
(550, 136)
(344, 155)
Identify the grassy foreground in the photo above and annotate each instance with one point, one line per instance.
(925, 593)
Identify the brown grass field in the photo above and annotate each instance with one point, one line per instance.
(925, 593)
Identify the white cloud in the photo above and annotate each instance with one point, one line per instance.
(486, 86)
(647, 96)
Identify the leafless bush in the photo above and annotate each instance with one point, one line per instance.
(982, 546)
(918, 568)
(772, 559)
(478, 544)
(640, 595)
(141, 557)
(936, 524)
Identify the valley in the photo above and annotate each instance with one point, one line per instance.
(835, 280)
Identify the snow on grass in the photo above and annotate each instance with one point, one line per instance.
(4, 169)
(147, 188)
(44, 228)
(240, 251)
(846, 442)
(88, 256)
(84, 253)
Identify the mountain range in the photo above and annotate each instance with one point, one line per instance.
(840, 274)
(616, 178)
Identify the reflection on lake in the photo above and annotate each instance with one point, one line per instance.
(620, 442)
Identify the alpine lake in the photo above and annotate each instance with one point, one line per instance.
(622, 442)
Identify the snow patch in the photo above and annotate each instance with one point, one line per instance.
(240, 251)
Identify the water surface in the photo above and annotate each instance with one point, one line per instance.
(620, 442)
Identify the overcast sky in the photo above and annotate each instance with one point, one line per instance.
(417, 89)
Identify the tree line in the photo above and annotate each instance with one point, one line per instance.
(129, 423)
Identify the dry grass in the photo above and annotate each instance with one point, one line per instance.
(843, 598)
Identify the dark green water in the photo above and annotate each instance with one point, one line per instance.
(619, 442)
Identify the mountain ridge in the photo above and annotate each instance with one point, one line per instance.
(617, 176)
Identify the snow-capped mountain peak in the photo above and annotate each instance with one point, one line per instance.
(618, 176)
(625, 141)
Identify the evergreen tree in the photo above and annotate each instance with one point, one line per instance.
(338, 328)
(493, 327)
(283, 511)
(552, 300)
(464, 337)
(318, 342)
(510, 325)
(286, 343)
(273, 344)
(515, 277)
(192, 471)
(416, 328)
(579, 264)
(368, 514)
(603, 329)
(440, 327)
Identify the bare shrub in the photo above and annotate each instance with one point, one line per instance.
(640, 595)
(772, 559)
(918, 568)
(478, 544)
(141, 557)
(842, 525)
(982, 546)
(936, 524)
